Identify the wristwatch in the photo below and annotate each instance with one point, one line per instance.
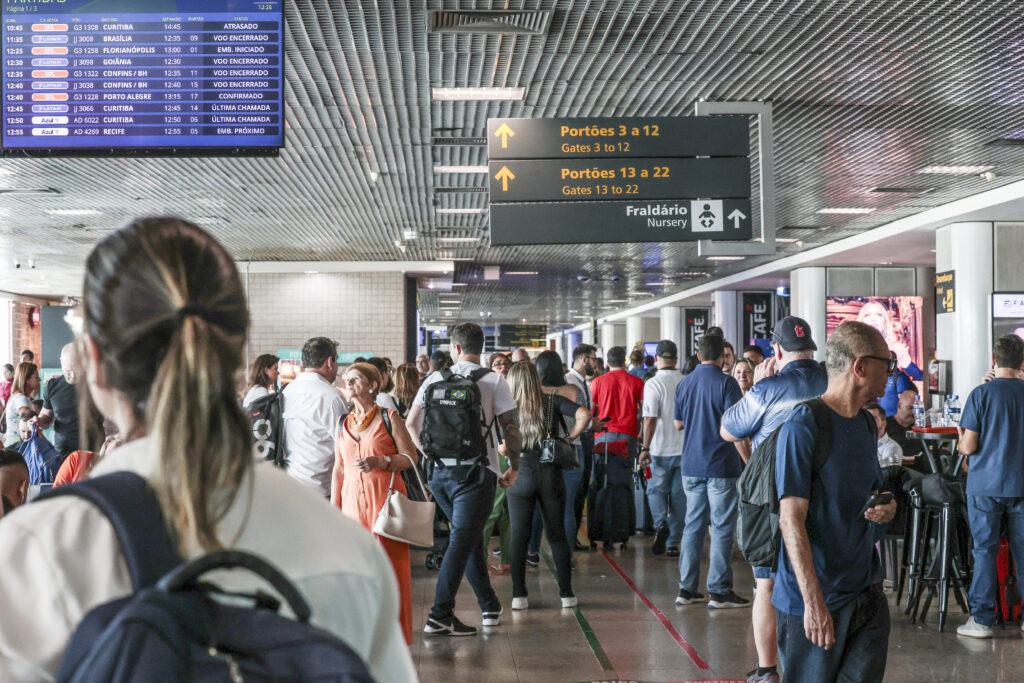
(387, 461)
(644, 449)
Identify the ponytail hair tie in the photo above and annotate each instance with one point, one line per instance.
(192, 309)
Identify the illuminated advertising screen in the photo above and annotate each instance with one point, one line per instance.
(109, 75)
(1007, 314)
(898, 318)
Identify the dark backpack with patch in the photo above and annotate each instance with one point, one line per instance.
(172, 628)
(759, 533)
(454, 427)
(266, 421)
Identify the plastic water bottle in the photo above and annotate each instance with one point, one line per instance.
(946, 405)
(954, 412)
(919, 416)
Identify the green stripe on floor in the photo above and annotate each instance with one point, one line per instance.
(588, 632)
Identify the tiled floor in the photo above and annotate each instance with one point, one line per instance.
(547, 644)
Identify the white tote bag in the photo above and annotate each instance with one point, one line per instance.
(408, 521)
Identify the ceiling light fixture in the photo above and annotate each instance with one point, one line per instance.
(460, 169)
(726, 258)
(786, 240)
(955, 170)
(848, 210)
(459, 211)
(409, 235)
(311, 272)
(464, 94)
(521, 272)
(659, 284)
(72, 212)
(617, 301)
(458, 284)
(458, 239)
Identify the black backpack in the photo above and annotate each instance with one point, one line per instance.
(266, 421)
(759, 533)
(453, 421)
(171, 629)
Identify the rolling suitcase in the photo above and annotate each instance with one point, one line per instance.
(611, 515)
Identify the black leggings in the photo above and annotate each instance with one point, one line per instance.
(542, 484)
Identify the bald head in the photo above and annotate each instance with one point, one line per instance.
(69, 362)
(850, 341)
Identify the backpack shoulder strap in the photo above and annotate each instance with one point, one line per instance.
(134, 511)
(872, 427)
(823, 444)
(385, 416)
(446, 374)
(478, 373)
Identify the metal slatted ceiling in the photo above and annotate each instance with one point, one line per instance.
(865, 93)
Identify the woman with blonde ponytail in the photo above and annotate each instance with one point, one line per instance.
(162, 327)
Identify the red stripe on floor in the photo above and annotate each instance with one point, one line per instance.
(687, 648)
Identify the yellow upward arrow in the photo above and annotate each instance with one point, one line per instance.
(504, 175)
(504, 132)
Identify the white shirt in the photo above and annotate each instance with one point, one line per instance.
(62, 559)
(254, 393)
(660, 402)
(18, 401)
(889, 452)
(388, 402)
(495, 397)
(312, 408)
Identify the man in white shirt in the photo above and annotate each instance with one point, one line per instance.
(663, 449)
(466, 493)
(312, 409)
(584, 361)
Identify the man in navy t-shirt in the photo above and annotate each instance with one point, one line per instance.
(710, 467)
(991, 432)
(832, 618)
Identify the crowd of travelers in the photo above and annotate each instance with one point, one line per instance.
(509, 445)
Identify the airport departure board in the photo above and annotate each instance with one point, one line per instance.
(81, 75)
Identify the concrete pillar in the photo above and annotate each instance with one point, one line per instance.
(925, 285)
(965, 336)
(672, 325)
(726, 314)
(807, 301)
(634, 331)
(588, 335)
(613, 335)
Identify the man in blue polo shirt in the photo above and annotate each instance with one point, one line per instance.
(763, 409)
(710, 467)
(832, 617)
(991, 432)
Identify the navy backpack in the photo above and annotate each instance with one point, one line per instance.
(172, 629)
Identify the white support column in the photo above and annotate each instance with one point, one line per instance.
(588, 335)
(634, 331)
(965, 336)
(807, 301)
(672, 324)
(612, 335)
(726, 314)
(924, 277)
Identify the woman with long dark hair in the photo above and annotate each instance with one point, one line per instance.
(163, 325)
(262, 378)
(540, 484)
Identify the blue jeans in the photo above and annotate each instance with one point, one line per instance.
(862, 643)
(985, 513)
(717, 500)
(666, 496)
(573, 480)
(467, 507)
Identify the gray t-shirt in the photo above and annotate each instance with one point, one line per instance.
(15, 404)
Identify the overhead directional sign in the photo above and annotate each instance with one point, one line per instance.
(654, 179)
(620, 221)
(590, 179)
(593, 138)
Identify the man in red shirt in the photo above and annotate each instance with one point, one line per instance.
(617, 397)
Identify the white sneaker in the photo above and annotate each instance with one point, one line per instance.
(569, 603)
(520, 603)
(492, 618)
(973, 629)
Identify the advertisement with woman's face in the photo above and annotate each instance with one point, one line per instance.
(898, 318)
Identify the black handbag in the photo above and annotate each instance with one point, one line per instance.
(554, 450)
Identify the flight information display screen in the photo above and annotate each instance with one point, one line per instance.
(129, 74)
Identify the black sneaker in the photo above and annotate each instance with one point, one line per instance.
(688, 598)
(727, 601)
(436, 627)
(533, 559)
(660, 538)
(492, 618)
(672, 551)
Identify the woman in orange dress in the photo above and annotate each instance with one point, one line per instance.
(365, 456)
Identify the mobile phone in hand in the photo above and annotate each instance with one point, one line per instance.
(883, 498)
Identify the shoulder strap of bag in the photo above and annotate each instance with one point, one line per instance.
(134, 511)
(823, 443)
